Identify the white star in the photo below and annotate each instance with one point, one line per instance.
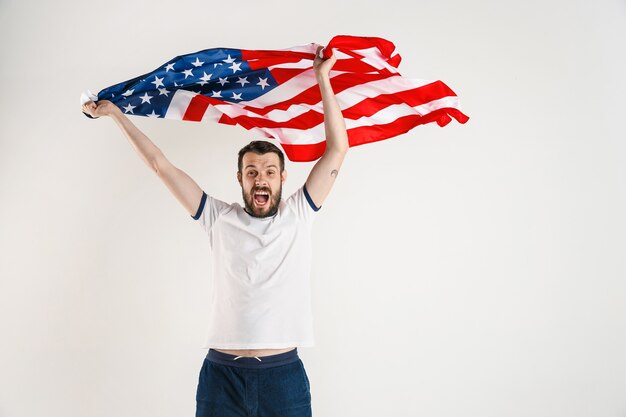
(153, 114)
(229, 60)
(237, 96)
(216, 64)
(163, 92)
(217, 94)
(169, 67)
(235, 67)
(223, 81)
(145, 98)
(129, 108)
(205, 79)
(128, 93)
(263, 83)
(157, 82)
(243, 81)
(198, 63)
(188, 73)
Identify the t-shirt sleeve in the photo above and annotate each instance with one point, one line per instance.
(303, 205)
(209, 209)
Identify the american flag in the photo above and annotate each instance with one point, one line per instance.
(274, 93)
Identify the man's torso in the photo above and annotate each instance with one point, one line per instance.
(255, 352)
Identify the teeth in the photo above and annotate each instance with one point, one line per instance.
(261, 193)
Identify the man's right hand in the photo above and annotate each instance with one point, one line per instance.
(101, 108)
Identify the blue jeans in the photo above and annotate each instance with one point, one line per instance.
(266, 386)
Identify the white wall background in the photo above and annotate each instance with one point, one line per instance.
(474, 270)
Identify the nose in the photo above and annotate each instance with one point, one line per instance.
(260, 180)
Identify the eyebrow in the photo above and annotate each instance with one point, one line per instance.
(254, 166)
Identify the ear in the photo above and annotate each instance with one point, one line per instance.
(283, 176)
(239, 178)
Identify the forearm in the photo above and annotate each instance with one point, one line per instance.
(334, 124)
(144, 147)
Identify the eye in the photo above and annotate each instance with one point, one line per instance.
(270, 172)
(251, 173)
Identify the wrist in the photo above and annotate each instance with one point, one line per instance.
(114, 113)
(322, 78)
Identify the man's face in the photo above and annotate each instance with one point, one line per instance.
(261, 183)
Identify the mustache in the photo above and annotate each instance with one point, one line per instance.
(266, 189)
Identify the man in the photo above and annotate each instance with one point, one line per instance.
(260, 310)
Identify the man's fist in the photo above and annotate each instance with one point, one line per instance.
(322, 66)
(101, 108)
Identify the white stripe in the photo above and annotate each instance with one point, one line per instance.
(179, 104)
(384, 116)
(308, 48)
(373, 57)
(296, 136)
(391, 113)
(286, 91)
(303, 63)
(290, 88)
(349, 97)
(211, 114)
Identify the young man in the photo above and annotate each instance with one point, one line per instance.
(260, 310)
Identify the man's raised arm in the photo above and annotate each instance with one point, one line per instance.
(323, 174)
(184, 188)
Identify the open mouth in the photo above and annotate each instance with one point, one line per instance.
(261, 198)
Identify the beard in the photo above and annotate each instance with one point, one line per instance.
(274, 200)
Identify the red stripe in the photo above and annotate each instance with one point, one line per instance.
(349, 43)
(303, 121)
(285, 74)
(355, 65)
(312, 94)
(304, 153)
(280, 56)
(197, 107)
(365, 108)
(368, 134)
(414, 97)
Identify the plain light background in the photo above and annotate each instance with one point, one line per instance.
(474, 270)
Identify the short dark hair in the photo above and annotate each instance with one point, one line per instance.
(261, 147)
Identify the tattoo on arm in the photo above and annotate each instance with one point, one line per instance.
(334, 173)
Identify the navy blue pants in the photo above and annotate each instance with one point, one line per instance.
(265, 386)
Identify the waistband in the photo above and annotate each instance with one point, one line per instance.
(254, 361)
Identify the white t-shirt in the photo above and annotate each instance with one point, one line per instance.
(260, 292)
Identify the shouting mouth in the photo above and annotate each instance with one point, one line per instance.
(261, 198)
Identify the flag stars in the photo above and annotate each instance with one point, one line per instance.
(217, 94)
(197, 63)
(153, 114)
(129, 108)
(128, 93)
(205, 79)
(188, 73)
(163, 92)
(237, 96)
(223, 81)
(169, 67)
(243, 81)
(263, 83)
(145, 98)
(157, 82)
(236, 67)
(229, 60)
